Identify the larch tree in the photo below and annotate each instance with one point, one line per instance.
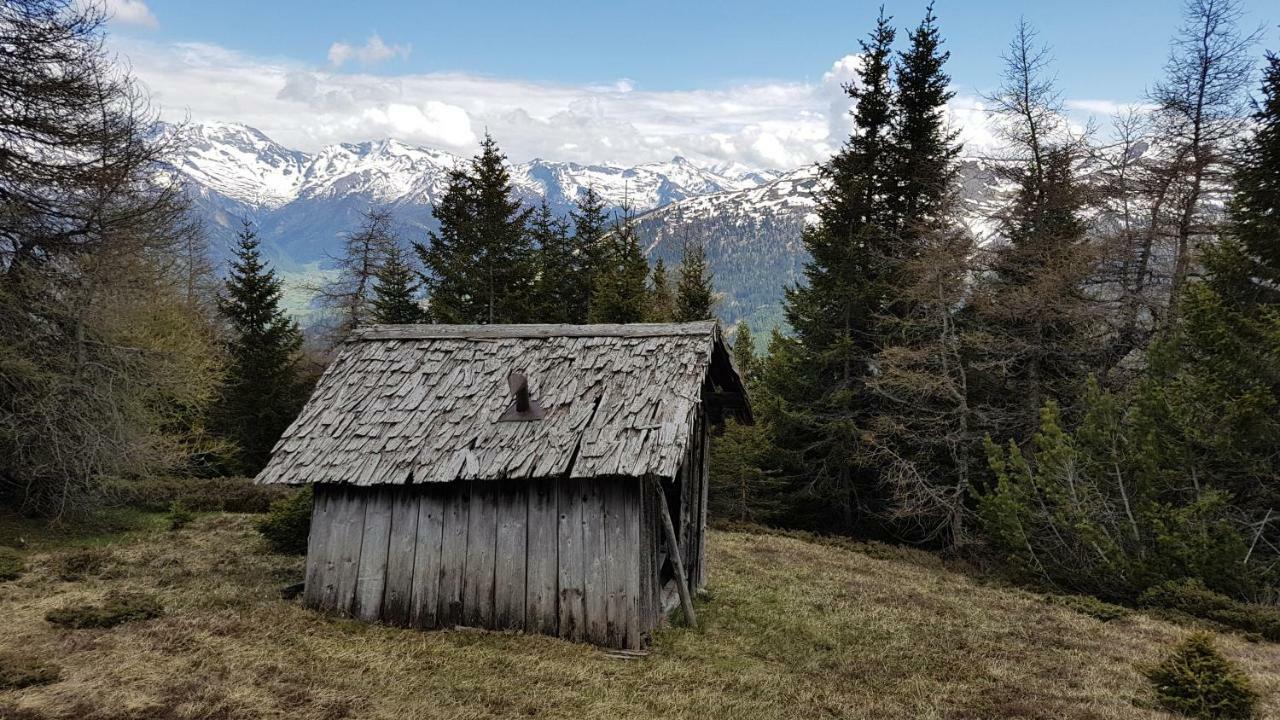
(695, 293)
(262, 393)
(349, 294)
(395, 290)
(822, 407)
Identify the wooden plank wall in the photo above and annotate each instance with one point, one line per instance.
(574, 558)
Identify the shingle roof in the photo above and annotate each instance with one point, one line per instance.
(420, 403)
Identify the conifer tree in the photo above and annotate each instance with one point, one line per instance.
(262, 393)
(590, 225)
(821, 405)
(480, 266)
(662, 301)
(1255, 207)
(395, 291)
(620, 292)
(562, 288)
(744, 352)
(695, 296)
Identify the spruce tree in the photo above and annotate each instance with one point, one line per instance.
(1255, 207)
(821, 405)
(744, 352)
(620, 291)
(562, 288)
(480, 265)
(262, 393)
(662, 301)
(590, 225)
(395, 291)
(695, 296)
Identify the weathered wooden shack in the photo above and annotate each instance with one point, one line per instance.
(546, 478)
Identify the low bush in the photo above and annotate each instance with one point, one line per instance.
(180, 515)
(20, 671)
(221, 494)
(116, 608)
(79, 563)
(287, 524)
(1197, 681)
(1194, 599)
(11, 564)
(1089, 605)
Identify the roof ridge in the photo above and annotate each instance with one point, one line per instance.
(531, 331)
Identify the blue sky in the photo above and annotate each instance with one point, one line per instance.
(364, 57)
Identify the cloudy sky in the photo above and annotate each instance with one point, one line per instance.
(757, 83)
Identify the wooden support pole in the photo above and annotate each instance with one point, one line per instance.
(682, 582)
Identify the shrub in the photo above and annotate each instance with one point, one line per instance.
(116, 608)
(220, 494)
(180, 515)
(1193, 598)
(20, 671)
(287, 524)
(1088, 605)
(1196, 680)
(11, 564)
(76, 564)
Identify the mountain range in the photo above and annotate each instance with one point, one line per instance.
(301, 203)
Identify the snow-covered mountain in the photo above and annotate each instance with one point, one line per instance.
(302, 202)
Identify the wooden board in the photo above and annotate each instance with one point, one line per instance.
(595, 561)
(570, 570)
(482, 537)
(317, 574)
(541, 613)
(347, 537)
(401, 552)
(371, 578)
(512, 550)
(704, 445)
(453, 553)
(424, 603)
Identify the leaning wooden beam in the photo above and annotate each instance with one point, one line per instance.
(682, 582)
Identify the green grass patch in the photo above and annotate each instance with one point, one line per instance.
(1088, 605)
(117, 608)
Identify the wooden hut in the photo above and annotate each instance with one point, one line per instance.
(545, 478)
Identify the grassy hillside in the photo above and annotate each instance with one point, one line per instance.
(791, 629)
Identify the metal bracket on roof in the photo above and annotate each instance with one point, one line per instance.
(523, 408)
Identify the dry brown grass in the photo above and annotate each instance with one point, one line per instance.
(792, 629)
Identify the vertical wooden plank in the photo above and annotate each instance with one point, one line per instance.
(595, 561)
(571, 568)
(706, 487)
(482, 536)
(317, 548)
(453, 552)
(350, 535)
(642, 560)
(428, 564)
(512, 555)
(401, 554)
(630, 563)
(371, 577)
(541, 612)
(622, 561)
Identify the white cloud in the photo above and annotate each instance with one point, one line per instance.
(131, 12)
(777, 124)
(372, 52)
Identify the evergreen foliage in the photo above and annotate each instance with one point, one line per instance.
(662, 301)
(744, 353)
(480, 266)
(1255, 206)
(288, 522)
(395, 290)
(563, 286)
(620, 293)
(262, 392)
(351, 292)
(695, 294)
(1197, 681)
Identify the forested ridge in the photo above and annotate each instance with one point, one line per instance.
(1087, 402)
